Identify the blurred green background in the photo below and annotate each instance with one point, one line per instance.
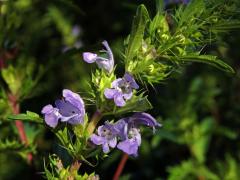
(199, 107)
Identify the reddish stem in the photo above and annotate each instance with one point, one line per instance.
(20, 127)
(120, 167)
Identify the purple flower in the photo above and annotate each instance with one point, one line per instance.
(126, 130)
(104, 63)
(70, 109)
(121, 89)
(129, 132)
(106, 137)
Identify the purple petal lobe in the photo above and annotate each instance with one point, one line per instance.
(66, 108)
(51, 115)
(112, 142)
(47, 109)
(75, 100)
(127, 96)
(129, 146)
(129, 78)
(109, 93)
(89, 57)
(119, 101)
(98, 140)
(105, 148)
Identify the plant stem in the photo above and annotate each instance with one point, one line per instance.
(20, 127)
(120, 167)
(94, 121)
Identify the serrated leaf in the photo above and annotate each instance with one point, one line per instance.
(137, 32)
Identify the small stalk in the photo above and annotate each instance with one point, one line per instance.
(20, 127)
(120, 167)
(94, 121)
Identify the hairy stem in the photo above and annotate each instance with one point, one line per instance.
(120, 167)
(20, 127)
(94, 121)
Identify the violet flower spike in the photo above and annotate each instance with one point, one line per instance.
(106, 137)
(121, 89)
(70, 109)
(103, 63)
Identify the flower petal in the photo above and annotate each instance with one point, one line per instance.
(144, 119)
(98, 140)
(120, 128)
(119, 101)
(104, 64)
(128, 96)
(105, 148)
(66, 108)
(129, 78)
(51, 119)
(112, 142)
(129, 146)
(115, 83)
(47, 109)
(110, 56)
(109, 93)
(89, 57)
(75, 100)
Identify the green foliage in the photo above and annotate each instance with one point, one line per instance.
(28, 117)
(101, 80)
(137, 33)
(166, 43)
(190, 170)
(58, 171)
(15, 146)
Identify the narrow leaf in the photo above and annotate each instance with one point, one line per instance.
(28, 117)
(208, 59)
(137, 32)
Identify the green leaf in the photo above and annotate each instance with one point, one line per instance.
(28, 117)
(208, 59)
(137, 104)
(137, 33)
(225, 26)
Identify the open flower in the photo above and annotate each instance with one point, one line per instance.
(129, 132)
(121, 89)
(126, 130)
(104, 63)
(106, 137)
(69, 109)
